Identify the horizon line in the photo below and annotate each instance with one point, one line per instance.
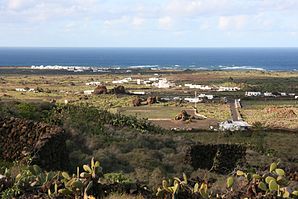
(147, 47)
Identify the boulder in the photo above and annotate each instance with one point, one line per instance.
(151, 100)
(137, 101)
(100, 89)
(118, 90)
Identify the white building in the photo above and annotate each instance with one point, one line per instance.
(210, 97)
(268, 94)
(93, 84)
(193, 100)
(292, 94)
(137, 92)
(198, 86)
(223, 88)
(233, 126)
(283, 94)
(88, 92)
(147, 82)
(153, 79)
(163, 83)
(122, 81)
(24, 90)
(251, 93)
(138, 81)
(296, 97)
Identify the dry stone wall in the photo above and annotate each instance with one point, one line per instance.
(45, 143)
(220, 158)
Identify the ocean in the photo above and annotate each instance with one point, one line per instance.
(285, 59)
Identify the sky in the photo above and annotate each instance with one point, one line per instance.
(149, 23)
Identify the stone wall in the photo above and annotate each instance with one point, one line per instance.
(21, 138)
(220, 158)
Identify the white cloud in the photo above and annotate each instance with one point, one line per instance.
(137, 21)
(232, 22)
(165, 22)
(19, 4)
(116, 22)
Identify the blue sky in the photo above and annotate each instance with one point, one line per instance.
(149, 23)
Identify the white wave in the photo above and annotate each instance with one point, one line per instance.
(240, 68)
(143, 66)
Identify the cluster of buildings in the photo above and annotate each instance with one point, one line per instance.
(209, 88)
(269, 94)
(153, 81)
(200, 87)
(25, 89)
(67, 68)
(74, 68)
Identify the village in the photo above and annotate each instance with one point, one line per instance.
(175, 105)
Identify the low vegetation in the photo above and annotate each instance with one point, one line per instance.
(90, 182)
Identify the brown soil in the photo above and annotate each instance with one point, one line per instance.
(282, 112)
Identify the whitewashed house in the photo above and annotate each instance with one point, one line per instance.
(163, 83)
(24, 90)
(252, 94)
(224, 88)
(153, 79)
(139, 82)
(269, 94)
(122, 81)
(88, 92)
(233, 126)
(292, 94)
(210, 97)
(296, 97)
(93, 84)
(137, 92)
(198, 86)
(193, 100)
(283, 94)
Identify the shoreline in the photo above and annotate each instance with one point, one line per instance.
(143, 68)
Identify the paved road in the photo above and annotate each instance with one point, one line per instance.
(234, 111)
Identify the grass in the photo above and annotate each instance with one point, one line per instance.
(3, 165)
(271, 113)
(169, 111)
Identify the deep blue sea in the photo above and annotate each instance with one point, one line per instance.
(194, 58)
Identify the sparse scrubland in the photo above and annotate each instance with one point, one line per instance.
(138, 159)
(134, 151)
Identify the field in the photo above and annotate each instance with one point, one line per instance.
(271, 113)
